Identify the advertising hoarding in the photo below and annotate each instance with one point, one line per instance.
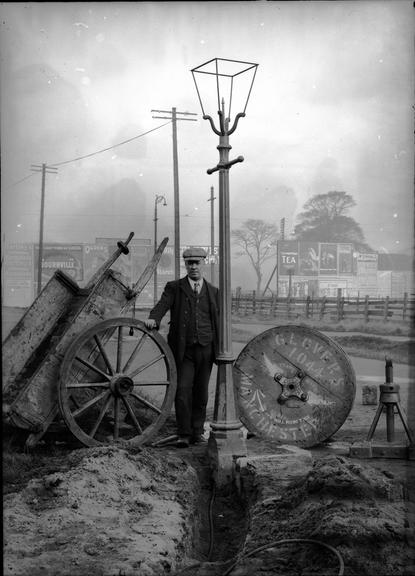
(345, 258)
(287, 257)
(95, 256)
(367, 273)
(328, 259)
(17, 276)
(65, 257)
(308, 258)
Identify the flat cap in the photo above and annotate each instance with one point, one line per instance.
(194, 253)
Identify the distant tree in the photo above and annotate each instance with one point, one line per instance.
(256, 238)
(324, 219)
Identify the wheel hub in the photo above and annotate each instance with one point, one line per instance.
(121, 385)
(291, 387)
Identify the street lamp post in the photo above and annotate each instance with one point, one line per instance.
(157, 200)
(219, 78)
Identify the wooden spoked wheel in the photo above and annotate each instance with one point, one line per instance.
(117, 383)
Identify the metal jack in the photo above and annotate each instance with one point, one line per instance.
(388, 402)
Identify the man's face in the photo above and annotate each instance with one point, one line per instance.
(194, 268)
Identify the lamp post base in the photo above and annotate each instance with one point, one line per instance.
(224, 448)
(226, 440)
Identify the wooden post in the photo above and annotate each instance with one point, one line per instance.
(289, 300)
(366, 308)
(338, 303)
(273, 305)
(253, 302)
(405, 305)
(237, 299)
(173, 116)
(386, 309)
(322, 307)
(307, 307)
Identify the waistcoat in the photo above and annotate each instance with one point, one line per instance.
(200, 327)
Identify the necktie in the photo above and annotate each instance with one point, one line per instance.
(196, 288)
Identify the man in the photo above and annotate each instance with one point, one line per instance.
(193, 337)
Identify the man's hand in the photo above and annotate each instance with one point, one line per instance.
(150, 323)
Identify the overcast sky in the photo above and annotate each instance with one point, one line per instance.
(331, 109)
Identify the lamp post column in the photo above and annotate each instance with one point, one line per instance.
(226, 441)
(155, 250)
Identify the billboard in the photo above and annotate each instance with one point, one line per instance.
(308, 258)
(95, 256)
(328, 259)
(345, 258)
(287, 257)
(17, 277)
(367, 273)
(65, 257)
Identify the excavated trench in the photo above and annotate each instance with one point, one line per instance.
(291, 512)
(295, 513)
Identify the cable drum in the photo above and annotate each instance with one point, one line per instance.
(294, 385)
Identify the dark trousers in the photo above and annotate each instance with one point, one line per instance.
(192, 393)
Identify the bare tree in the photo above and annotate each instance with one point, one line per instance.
(256, 238)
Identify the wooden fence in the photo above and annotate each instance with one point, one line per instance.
(325, 308)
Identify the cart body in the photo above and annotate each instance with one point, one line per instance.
(35, 349)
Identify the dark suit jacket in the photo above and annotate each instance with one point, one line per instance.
(176, 298)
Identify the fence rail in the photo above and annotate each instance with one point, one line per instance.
(325, 308)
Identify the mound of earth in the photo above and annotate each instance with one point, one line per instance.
(111, 513)
(341, 512)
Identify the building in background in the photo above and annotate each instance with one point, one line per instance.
(321, 269)
(395, 275)
(304, 268)
(80, 262)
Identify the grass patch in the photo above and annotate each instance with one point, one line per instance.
(377, 348)
(327, 325)
(361, 345)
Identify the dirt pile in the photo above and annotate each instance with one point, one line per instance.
(112, 513)
(346, 508)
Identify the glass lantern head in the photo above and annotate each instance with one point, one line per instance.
(223, 87)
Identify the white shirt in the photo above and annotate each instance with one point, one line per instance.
(193, 282)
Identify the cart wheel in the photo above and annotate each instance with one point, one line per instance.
(117, 383)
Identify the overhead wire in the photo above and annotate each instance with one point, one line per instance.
(91, 154)
(110, 147)
(19, 181)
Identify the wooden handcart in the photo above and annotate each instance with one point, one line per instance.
(80, 355)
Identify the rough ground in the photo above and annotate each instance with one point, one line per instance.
(113, 512)
(109, 512)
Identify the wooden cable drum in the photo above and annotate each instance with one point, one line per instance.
(294, 385)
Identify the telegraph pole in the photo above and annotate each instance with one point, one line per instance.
(276, 267)
(212, 235)
(45, 170)
(282, 237)
(174, 117)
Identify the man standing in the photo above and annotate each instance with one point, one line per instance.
(193, 337)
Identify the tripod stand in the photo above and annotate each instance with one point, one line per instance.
(388, 401)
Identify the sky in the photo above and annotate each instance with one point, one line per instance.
(331, 108)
